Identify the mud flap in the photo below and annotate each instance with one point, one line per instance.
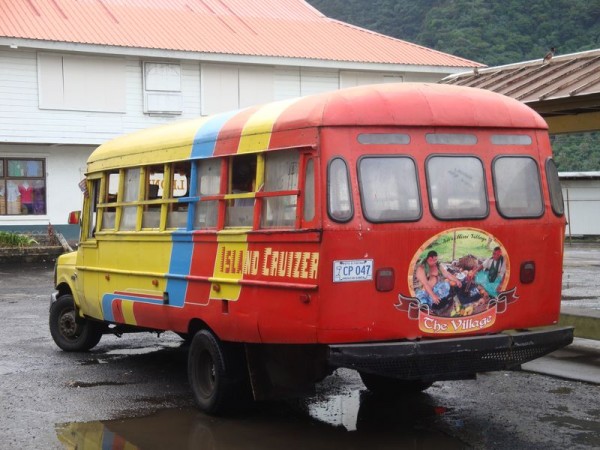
(285, 371)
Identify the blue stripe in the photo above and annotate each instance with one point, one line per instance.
(206, 137)
(107, 300)
(181, 263)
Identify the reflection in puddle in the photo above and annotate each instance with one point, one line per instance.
(337, 410)
(353, 420)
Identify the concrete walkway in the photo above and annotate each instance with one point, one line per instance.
(581, 290)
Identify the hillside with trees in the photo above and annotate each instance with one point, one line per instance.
(493, 33)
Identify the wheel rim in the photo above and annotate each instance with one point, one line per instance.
(207, 374)
(67, 325)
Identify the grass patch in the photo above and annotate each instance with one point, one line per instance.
(10, 239)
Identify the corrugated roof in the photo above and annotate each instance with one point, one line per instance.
(567, 84)
(276, 28)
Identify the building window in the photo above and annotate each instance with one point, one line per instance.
(83, 83)
(22, 186)
(162, 88)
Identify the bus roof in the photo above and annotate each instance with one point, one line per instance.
(277, 125)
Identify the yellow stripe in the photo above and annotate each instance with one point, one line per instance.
(257, 131)
(172, 142)
(127, 308)
(231, 247)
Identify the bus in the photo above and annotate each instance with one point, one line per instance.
(411, 232)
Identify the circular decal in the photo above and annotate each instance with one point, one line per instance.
(460, 272)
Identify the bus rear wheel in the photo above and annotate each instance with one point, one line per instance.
(217, 374)
(70, 332)
(385, 385)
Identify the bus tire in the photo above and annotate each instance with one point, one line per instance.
(379, 384)
(217, 374)
(72, 333)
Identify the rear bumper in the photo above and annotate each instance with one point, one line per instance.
(448, 359)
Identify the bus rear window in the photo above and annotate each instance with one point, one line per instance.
(389, 189)
(456, 187)
(339, 200)
(556, 197)
(517, 187)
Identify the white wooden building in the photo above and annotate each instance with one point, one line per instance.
(581, 194)
(75, 73)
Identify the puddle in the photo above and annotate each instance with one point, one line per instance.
(352, 420)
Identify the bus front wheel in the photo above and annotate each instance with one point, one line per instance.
(385, 385)
(217, 374)
(72, 333)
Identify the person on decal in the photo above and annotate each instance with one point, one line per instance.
(434, 280)
(494, 271)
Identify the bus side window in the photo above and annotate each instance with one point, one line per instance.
(281, 174)
(309, 191)
(111, 190)
(153, 192)
(209, 183)
(94, 197)
(180, 184)
(242, 179)
(131, 190)
(339, 200)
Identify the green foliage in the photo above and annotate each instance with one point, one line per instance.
(493, 33)
(9, 239)
(578, 152)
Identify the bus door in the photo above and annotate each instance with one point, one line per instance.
(86, 283)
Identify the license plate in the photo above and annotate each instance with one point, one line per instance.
(352, 270)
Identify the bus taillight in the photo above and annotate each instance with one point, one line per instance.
(384, 279)
(527, 274)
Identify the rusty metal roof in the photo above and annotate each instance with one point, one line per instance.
(276, 28)
(564, 85)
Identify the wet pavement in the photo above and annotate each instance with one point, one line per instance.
(132, 393)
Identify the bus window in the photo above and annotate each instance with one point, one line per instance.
(153, 192)
(94, 197)
(309, 191)
(456, 187)
(339, 200)
(281, 174)
(384, 138)
(389, 189)
(131, 190)
(517, 187)
(511, 139)
(556, 197)
(209, 183)
(451, 139)
(112, 189)
(240, 213)
(178, 211)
